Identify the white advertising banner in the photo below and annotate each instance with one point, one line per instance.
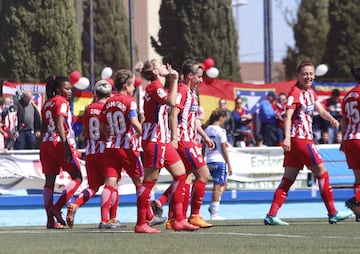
(253, 168)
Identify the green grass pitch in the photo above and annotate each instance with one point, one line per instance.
(231, 236)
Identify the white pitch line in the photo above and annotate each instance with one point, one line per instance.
(247, 234)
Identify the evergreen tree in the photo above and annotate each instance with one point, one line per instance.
(199, 29)
(310, 32)
(38, 38)
(111, 37)
(343, 47)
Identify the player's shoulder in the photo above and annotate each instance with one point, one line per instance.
(353, 94)
(182, 87)
(294, 90)
(96, 104)
(59, 99)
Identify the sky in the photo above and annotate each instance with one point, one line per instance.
(250, 17)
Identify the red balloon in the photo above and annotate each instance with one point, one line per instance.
(208, 63)
(74, 77)
(111, 81)
(137, 81)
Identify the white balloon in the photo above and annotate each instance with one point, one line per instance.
(212, 72)
(106, 73)
(321, 70)
(82, 84)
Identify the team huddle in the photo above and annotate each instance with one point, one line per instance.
(169, 137)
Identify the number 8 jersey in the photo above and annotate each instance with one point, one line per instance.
(91, 121)
(350, 111)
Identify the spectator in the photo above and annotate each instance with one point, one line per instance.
(229, 124)
(259, 141)
(280, 108)
(2, 138)
(29, 123)
(242, 119)
(324, 137)
(6, 103)
(10, 127)
(333, 105)
(267, 118)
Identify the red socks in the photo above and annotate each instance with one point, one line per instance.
(114, 203)
(280, 195)
(143, 200)
(106, 202)
(48, 195)
(84, 196)
(177, 198)
(357, 192)
(165, 196)
(327, 193)
(67, 193)
(197, 196)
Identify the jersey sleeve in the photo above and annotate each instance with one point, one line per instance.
(223, 138)
(132, 108)
(316, 98)
(181, 96)
(293, 98)
(158, 92)
(62, 108)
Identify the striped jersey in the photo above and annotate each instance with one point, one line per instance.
(218, 135)
(303, 102)
(53, 107)
(351, 113)
(11, 122)
(91, 120)
(187, 102)
(156, 113)
(116, 114)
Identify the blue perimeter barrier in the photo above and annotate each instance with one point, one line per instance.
(253, 196)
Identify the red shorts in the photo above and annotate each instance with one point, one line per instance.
(52, 157)
(95, 170)
(351, 149)
(303, 152)
(159, 155)
(116, 159)
(191, 155)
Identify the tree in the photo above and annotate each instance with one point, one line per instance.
(310, 32)
(343, 47)
(199, 29)
(38, 39)
(111, 37)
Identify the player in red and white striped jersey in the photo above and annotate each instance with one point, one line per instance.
(299, 147)
(158, 151)
(56, 151)
(184, 129)
(119, 120)
(303, 102)
(95, 147)
(351, 138)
